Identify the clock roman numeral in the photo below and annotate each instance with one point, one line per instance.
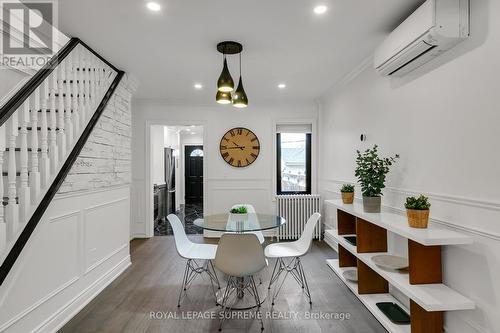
(256, 147)
(253, 155)
(225, 155)
(232, 133)
(253, 139)
(223, 147)
(239, 163)
(231, 160)
(240, 131)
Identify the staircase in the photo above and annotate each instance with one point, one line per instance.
(43, 128)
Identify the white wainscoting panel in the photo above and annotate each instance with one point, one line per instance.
(79, 247)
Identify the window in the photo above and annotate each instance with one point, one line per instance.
(196, 153)
(293, 159)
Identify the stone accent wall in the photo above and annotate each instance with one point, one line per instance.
(105, 160)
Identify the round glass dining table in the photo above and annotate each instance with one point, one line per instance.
(241, 223)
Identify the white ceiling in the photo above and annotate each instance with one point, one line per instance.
(283, 40)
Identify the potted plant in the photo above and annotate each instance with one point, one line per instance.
(371, 171)
(347, 191)
(417, 210)
(239, 214)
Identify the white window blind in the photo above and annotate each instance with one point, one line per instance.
(294, 128)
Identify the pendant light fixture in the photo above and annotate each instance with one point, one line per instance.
(225, 83)
(223, 97)
(240, 99)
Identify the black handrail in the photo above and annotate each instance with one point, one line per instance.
(24, 93)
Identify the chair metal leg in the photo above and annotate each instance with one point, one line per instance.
(257, 300)
(294, 268)
(183, 286)
(272, 274)
(303, 274)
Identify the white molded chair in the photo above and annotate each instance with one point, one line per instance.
(292, 251)
(192, 252)
(251, 210)
(240, 256)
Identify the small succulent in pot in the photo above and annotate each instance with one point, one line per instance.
(417, 211)
(239, 214)
(239, 210)
(347, 192)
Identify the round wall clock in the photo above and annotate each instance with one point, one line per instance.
(239, 147)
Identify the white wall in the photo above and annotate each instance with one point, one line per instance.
(444, 120)
(224, 185)
(157, 154)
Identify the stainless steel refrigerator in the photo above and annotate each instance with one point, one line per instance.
(170, 181)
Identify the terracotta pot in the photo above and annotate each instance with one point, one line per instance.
(347, 197)
(418, 218)
(371, 204)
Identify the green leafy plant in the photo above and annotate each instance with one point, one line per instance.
(239, 210)
(418, 203)
(347, 188)
(371, 171)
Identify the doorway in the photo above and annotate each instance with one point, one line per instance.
(176, 176)
(193, 171)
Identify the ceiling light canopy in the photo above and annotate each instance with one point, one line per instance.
(321, 9)
(153, 6)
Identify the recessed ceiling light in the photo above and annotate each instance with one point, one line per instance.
(154, 6)
(192, 133)
(321, 9)
(282, 86)
(188, 130)
(198, 86)
(193, 125)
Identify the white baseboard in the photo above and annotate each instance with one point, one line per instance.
(68, 311)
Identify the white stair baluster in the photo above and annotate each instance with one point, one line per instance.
(24, 190)
(67, 115)
(76, 97)
(44, 135)
(93, 82)
(82, 107)
(86, 86)
(53, 149)
(61, 135)
(3, 225)
(12, 212)
(34, 177)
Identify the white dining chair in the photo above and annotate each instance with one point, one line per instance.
(240, 256)
(292, 251)
(251, 210)
(193, 252)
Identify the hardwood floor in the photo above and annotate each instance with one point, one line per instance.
(151, 285)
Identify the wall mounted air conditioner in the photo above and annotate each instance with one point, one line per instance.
(436, 26)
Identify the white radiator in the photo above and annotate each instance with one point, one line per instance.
(296, 210)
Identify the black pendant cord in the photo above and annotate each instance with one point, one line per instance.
(240, 65)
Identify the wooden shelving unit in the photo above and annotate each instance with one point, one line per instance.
(422, 283)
